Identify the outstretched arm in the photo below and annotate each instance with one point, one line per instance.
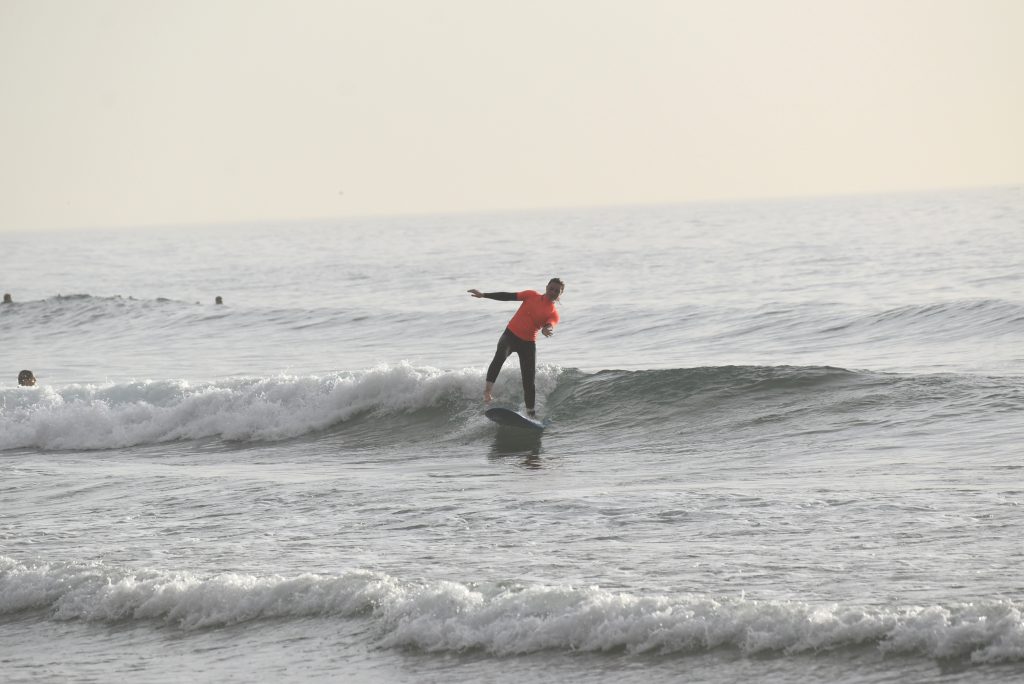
(501, 296)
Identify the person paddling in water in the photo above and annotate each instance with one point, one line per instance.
(537, 313)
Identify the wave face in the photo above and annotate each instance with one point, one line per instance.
(442, 616)
(396, 402)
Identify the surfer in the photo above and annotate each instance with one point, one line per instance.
(26, 378)
(537, 313)
(7, 298)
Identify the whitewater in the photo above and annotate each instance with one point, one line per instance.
(783, 444)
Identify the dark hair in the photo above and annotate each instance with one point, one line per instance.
(25, 377)
(559, 281)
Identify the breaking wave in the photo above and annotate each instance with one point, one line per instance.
(509, 619)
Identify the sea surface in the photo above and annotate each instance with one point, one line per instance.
(785, 443)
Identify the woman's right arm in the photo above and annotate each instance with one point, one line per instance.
(500, 296)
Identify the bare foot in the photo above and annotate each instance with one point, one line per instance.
(487, 397)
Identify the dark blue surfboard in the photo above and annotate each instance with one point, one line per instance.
(510, 418)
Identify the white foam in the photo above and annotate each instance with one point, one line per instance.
(256, 409)
(93, 592)
(450, 616)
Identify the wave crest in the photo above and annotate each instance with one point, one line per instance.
(253, 409)
(400, 401)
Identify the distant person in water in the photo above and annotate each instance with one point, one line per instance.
(537, 313)
(7, 299)
(26, 379)
(218, 300)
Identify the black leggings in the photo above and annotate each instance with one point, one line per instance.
(508, 343)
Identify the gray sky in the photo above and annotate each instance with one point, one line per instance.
(139, 112)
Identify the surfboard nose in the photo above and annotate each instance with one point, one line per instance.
(510, 418)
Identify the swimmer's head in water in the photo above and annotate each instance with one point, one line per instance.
(26, 379)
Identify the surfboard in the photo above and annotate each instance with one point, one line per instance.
(510, 418)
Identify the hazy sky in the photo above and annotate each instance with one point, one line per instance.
(137, 112)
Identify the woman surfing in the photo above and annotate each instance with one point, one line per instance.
(537, 313)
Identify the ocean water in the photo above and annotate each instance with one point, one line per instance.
(784, 444)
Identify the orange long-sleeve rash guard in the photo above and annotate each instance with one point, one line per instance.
(534, 313)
